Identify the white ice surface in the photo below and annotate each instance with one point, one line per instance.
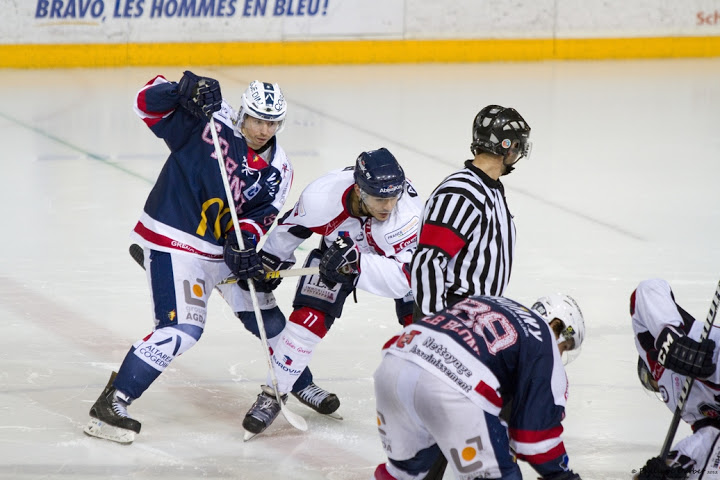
(622, 185)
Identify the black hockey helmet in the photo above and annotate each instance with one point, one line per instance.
(497, 129)
(379, 174)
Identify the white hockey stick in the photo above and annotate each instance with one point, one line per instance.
(689, 380)
(138, 254)
(293, 418)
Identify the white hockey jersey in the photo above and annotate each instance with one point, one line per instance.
(653, 308)
(386, 247)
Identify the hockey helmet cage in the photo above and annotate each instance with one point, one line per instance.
(646, 376)
(264, 101)
(566, 309)
(379, 174)
(496, 129)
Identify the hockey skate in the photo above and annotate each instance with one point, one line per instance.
(263, 412)
(110, 419)
(320, 400)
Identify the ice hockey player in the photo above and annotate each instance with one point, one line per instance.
(474, 382)
(186, 228)
(367, 217)
(667, 340)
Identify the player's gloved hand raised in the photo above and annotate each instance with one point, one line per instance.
(243, 263)
(340, 263)
(658, 469)
(201, 96)
(684, 355)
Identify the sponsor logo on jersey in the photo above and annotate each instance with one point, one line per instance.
(467, 459)
(409, 229)
(287, 360)
(153, 355)
(286, 368)
(399, 247)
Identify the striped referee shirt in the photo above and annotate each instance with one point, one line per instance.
(467, 241)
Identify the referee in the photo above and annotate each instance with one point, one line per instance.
(467, 238)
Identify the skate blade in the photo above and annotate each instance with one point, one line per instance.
(96, 428)
(249, 436)
(334, 415)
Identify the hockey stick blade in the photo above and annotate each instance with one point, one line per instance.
(137, 254)
(709, 321)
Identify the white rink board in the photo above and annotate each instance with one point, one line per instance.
(145, 21)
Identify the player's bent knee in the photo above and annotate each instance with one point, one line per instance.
(312, 319)
(273, 319)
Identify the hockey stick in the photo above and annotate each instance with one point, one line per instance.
(293, 418)
(689, 380)
(137, 253)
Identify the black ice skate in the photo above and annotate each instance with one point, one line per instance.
(110, 419)
(263, 412)
(319, 400)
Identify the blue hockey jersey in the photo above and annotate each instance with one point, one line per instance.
(187, 209)
(504, 358)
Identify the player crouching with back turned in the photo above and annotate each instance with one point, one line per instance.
(665, 337)
(474, 381)
(367, 216)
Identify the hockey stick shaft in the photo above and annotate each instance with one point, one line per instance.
(709, 321)
(294, 419)
(137, 253)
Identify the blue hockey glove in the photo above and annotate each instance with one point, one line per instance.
(201, 96)
(684, 355)
(244, 263)
(340, 263)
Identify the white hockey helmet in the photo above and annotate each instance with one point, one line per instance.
(566, 309)
(264, 101)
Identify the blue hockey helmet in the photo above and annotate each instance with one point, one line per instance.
(379, 174)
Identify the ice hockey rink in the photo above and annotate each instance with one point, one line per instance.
(622, 185)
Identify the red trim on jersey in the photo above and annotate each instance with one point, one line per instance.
(381, 473)
(632, 303)
(390, 342)
(540, 458)
(310, 319)
(489, 393)
(533, 436)
(333, 224)
(370, 240)
(441, 237)
(255, 161)
(166, 242)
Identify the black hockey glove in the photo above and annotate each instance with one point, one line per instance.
(684, 355)
(271, 264)
(340, 263)
(201, 96)
(569, 475)
(245, 263)
(658, 469)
